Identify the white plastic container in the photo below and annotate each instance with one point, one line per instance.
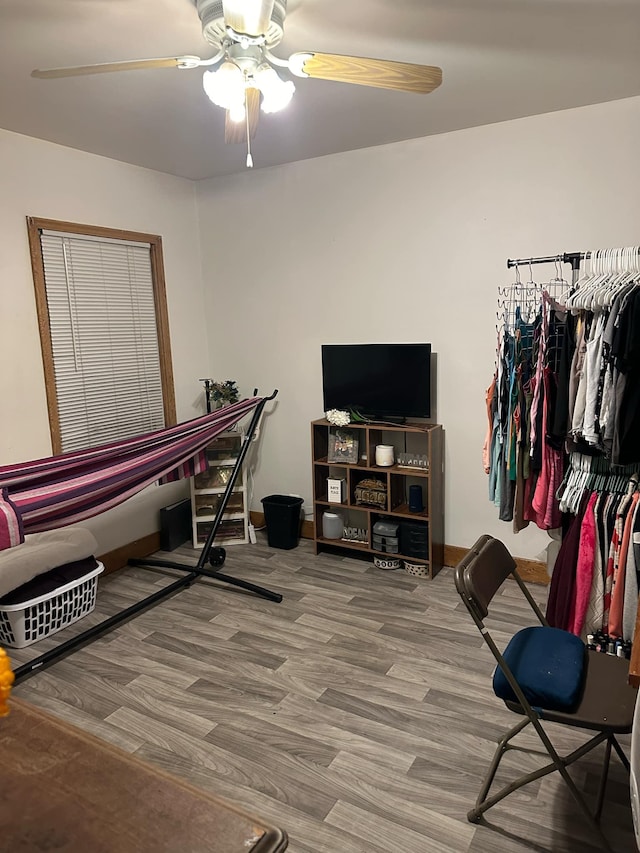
(26, 623)
(331, 525)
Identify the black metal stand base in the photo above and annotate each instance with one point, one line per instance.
(208, 573)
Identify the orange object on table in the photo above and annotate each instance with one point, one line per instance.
(6, 680)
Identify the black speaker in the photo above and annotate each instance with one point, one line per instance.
(175, 525)
(415, 499)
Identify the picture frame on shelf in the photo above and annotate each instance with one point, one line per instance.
(343, 447)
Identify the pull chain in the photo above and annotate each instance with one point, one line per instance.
(246, 117)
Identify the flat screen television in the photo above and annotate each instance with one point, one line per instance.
(380, 381)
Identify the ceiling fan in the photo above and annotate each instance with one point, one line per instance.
(242, 73)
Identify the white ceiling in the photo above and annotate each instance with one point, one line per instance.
(501, 59)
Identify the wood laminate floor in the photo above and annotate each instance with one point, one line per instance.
(358, 714)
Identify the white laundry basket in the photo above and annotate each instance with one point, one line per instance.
(26, 623)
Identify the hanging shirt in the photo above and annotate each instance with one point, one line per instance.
(613, 560)
(591, 379)
(561, 602)
(576, 417)
(620, 569)
(585, 565)
(489, 400)
(629, 365)
(593, 617)
(630, 607)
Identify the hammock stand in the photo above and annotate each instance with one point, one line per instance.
(215, 556)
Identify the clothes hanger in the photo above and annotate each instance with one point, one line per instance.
(604, 269)
(574, 301)
(577, 487)
(572, 298)
(619, 264)
(603, 265)
(630, 272)
(561, 282)
(604, 262)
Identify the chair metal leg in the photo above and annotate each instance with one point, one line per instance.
(603, 779)
(559, 763)
(577, 796)
(474, 814)
(623, 758)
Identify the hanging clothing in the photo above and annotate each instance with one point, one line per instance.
(561, 605)
(632, 572)
(613, 561)
(628, 361)
(616, 612)
(528, 466)
(490, 399)
(593, 617)
(565, 407)
(585, 565)
(604, 596)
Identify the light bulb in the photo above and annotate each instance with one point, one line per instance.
(237, 112)
(276, 92)
(226, 86)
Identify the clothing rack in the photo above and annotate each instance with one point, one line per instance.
(209, 554)
(572, 258)
(599, 470)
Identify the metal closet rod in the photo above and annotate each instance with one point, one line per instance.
(572, 258)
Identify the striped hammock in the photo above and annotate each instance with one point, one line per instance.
(74, 486)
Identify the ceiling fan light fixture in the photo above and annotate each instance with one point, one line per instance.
(226, 86)
(276, 92)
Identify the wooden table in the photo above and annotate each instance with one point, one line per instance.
(64, 790)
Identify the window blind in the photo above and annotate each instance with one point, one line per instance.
(104, 337)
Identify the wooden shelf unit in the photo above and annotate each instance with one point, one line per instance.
(422, 439)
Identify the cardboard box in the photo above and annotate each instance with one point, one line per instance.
(336, 490)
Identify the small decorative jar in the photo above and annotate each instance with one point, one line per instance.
(384, 455)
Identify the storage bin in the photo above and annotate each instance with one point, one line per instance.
(386, 543)
(26, 623)
(416, 569)
(414, 539)
(385, 528)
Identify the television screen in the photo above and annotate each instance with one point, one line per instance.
(378, 380)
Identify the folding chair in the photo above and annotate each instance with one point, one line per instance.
(546, 674)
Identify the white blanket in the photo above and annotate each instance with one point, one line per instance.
(41, 552)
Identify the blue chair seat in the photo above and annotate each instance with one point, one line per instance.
(549, 666)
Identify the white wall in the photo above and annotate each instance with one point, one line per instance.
(405, 242)
(41, 179)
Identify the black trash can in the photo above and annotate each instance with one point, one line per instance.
(283, 518)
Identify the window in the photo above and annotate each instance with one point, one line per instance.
(104, 332)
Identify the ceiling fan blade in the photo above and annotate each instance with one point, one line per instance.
(236, 131)
(382, 73)
(133, 65)
(251, 17)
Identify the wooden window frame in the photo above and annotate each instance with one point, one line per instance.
(35, 226)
